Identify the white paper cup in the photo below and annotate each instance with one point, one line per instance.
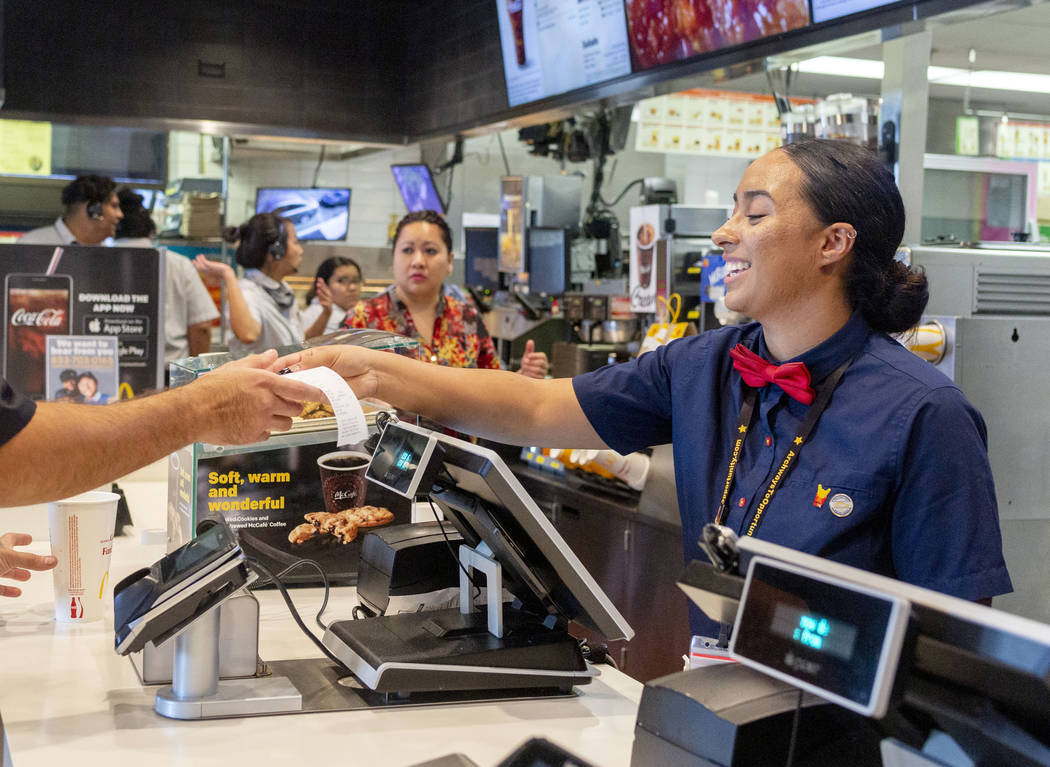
(82, 541)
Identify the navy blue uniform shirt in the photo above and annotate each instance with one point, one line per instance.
(894, 478)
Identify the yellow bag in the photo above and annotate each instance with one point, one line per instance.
(667, 327)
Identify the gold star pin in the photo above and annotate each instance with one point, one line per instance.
(798, 440)
(742, 429)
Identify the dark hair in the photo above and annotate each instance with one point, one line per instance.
(87, 374)
(426, 217)
(848, 183)
(136, 221)
(89, 189)
(254, 238)
(327, 269)
(67, 375)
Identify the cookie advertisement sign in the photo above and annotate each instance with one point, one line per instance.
(275, 501)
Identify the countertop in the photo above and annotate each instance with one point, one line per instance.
(67, 698)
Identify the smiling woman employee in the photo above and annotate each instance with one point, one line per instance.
(261, 307)
(874, 459)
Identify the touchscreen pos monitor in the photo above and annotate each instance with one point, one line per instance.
(153, 604)
(506, 535)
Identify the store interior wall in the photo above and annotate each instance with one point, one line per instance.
(375, 202)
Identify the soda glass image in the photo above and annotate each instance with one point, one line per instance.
(514, 9)
(35, 306)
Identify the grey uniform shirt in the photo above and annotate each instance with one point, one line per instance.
(55, 234)
(186, 300)
(277, 326)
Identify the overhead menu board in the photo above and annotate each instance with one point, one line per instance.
(551, 47)
(662, 32)
(826, 10)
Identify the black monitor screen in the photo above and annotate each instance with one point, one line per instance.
(548, 261)
(417, 188)
(316, 214)
(397, 459)
(481, 268)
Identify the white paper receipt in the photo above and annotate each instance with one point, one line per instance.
(349, 417)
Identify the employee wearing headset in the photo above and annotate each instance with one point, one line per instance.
(261, 307)
(91, 217)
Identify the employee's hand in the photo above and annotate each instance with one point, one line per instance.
(353, 363)
(533, 363)
(247, 400)
(215, 273)
(324, 294)
(17, 564)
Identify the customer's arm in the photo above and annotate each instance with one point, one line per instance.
(494, 404)
(242, 323)
(66, 448)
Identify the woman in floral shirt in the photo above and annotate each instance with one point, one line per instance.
(419, 305)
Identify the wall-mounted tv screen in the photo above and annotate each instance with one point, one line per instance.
(826, 10)
(417, 188)
(551, 47)
(317, 214)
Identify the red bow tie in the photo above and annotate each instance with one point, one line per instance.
(792, 377)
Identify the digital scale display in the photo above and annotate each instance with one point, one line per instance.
(831, 637)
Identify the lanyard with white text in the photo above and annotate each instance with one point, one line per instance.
(747, 409)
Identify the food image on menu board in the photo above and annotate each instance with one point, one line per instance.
(662, 31)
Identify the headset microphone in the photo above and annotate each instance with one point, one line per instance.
(278, 246)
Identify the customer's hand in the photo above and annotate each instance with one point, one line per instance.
(533, 363)
(17, 564)
(243, 401)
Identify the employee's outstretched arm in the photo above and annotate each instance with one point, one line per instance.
(494, 404)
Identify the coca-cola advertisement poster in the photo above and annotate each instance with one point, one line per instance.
(82, 291)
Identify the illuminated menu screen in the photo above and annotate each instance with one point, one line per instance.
(826, 10)
(552, 46)
(663, 31)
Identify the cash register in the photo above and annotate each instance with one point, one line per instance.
(836, 665)
(535, 584)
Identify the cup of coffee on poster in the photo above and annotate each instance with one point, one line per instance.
(343, 479)
(645, 231)
(81, 530)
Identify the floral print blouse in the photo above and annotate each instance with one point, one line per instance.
(460, 337)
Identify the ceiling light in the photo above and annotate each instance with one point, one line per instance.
(872, 69)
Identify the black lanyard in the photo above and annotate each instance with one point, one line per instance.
(747, 409)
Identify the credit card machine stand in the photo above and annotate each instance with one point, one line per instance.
(238, 645)
(179, 597)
